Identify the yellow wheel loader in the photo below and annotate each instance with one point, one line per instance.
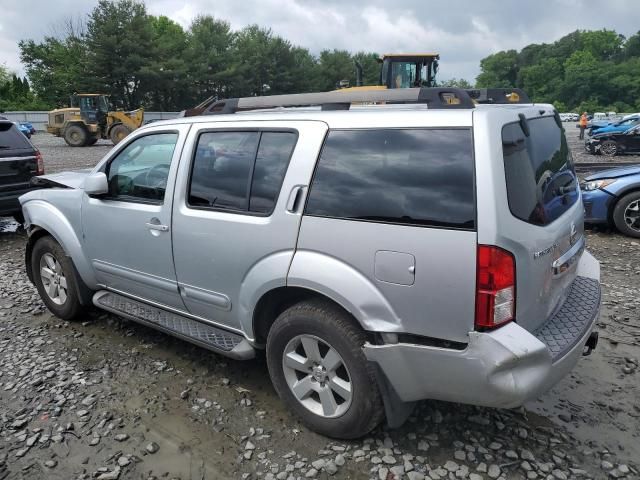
(89, 119)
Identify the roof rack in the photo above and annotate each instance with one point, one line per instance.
(434, 98)
(498, 95)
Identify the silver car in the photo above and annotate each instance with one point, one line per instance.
(430, 247)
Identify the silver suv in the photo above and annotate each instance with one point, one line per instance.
(430, 247)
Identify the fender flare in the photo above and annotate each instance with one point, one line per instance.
(42, 216)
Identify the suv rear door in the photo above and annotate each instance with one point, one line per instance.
(18, 160)
(237, 211)
(529, 204)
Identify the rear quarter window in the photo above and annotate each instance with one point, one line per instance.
(540, 178)
(11, 138)
(419, 177)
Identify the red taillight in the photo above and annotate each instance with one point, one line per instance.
(40, 170)
(495, 287)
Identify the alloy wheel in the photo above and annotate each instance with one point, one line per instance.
(53, 279)
(632, 215)
(317, 376)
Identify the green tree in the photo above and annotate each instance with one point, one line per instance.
(456, 83)
(498, 70)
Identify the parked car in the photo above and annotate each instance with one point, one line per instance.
(19, 162)
(379, 254)
(24, 130)
(619, 126)
(614, 143)
(612, 197)
(29, 126)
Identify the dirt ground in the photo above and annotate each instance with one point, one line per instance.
(106, 398)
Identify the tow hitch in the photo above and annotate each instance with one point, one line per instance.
(591, 344)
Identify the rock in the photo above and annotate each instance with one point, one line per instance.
(494, 471)
(460, 455)
(121, 437)
(451, 466)
(527, 455)
(123, 461)
(249, 446)
(330, 468)
(311, 473)
(623, 468)
(511, 455)
(383, 473)
(339, 461)
(415, 476)
(248, 454)
(184, 394)
(482, 468)
(50, 463)
(606, 465)
(423, 446)
(559, 474)
(398, 471)
(94, 441)
(21, 452)
(475, 476)
(113, 475)
(318, 464)
(388, 459)
(152, 447)
(82, 413)
(359, 453)
(565, 417)
(32, 440)
(495, 446)
(89, 400)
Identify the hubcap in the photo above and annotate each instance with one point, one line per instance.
(317, 376)
(609, 148)
(632, 215)
(53, 279)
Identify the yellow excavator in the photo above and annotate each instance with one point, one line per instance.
(89, 118)
(401, 70)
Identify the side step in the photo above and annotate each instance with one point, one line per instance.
(215, 339)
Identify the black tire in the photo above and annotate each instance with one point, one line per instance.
(118, 133)
(70, 308)
(337, 329)
(609, 148)
(18, 217)
(625, 212)
(76, 135)
(92, 141)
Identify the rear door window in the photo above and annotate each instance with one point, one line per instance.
(541, 181)
(11, 138)
(403, 176)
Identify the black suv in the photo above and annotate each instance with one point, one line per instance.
(19, 162)
(614, 143)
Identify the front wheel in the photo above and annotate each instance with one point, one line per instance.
(76, 136)
(118, 133)
(626, 214)
(318, 368)
(609, 148)
(53, 275)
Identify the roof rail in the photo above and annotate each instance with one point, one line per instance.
(434, 98)
(499, 95)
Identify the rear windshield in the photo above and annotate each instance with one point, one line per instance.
(541, 181)
(419, 177)
(11, 138)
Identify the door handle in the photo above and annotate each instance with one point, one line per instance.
(157, 226)
(294, 198)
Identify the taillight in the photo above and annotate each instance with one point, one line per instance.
(495, 287)
(40, 170)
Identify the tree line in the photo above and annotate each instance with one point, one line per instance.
(142, 59)
(584, 71)
(145, 60)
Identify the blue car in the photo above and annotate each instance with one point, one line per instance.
(612, 197)
(29, 125)
(620, 126)
(25, 130)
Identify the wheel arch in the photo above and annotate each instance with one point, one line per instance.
(620, 194)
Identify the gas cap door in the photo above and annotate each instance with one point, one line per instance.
(395, 267)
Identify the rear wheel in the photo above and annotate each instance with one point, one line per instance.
(118, 133)
(609, 148)
(626, 214)
(53, 275)
(76, 136)
(318, 368)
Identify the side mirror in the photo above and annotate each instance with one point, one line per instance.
(96, 184)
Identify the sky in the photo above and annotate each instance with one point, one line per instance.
(461, 31)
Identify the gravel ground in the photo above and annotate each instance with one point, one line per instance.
(106, 398)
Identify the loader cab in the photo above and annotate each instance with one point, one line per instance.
(409, 70)
(93, 107)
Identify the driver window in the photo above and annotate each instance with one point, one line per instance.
(140, 171)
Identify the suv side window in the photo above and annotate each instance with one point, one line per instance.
(240, 171)
(140, 171)
(403, 176)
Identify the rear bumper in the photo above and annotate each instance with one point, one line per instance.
(503, 368)
(9, 203)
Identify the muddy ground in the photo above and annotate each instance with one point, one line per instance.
(106, 398)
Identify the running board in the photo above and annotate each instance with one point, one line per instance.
(212, 338)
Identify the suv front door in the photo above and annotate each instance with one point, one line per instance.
(237, 212)
(127, 232)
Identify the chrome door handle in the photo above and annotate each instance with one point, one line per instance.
(156, 226)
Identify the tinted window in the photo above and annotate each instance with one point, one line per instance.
(271, 164)
(140, 171)
(541, 182)
(221, 169)
(11, 138)
(411, 176)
